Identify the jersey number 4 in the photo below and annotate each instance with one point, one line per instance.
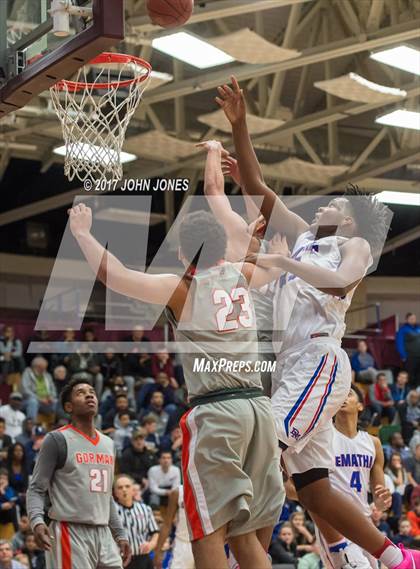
(224, 319)
(99, 480)
(355, 481)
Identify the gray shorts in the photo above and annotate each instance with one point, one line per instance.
(230, 462)
(80, 546)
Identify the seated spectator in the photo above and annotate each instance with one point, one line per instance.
(118, 387)
(136, 460)
(8, 500)
(38, 389)
(84, 365)
(413, 466)
(69, 336)
(18, 540)
(398, 475)
(32, 447)
(41, 337)
(304, 533)
(6, 556)
(17, 469)
(88, 335)
(399, 389)
(36, 555)
(161, 362)
(404, 534)
(5, 441)
(156, 409)
(381, 403)
(149, 424)
(363, 364)
(284, 548)
(60, 377)
(110, 421)
(137, 363)
(163, 478)
(408, 346)
(173, 444)
(26, 436)
(409, 413)
(13, 416)
(162, 384)
(123, 432)
(414, 518)
(379, 522)
(311, 560)
(110, 365)
(396, 445)
(11, 353)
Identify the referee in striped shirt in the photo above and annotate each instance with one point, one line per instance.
(138, 519)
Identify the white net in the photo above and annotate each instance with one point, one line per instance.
(95, 110)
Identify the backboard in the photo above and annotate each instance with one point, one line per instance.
(34, 51)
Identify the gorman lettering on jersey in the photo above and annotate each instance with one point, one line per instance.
(94, 458)
(354, 460)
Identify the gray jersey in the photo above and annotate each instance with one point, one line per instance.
(221, 329)
(263, 304)
(77, 474)
(80, 491)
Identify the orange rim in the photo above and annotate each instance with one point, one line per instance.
(108, 57)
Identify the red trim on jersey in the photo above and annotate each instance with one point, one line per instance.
(65, 546)
(94, 441)
(189, 498)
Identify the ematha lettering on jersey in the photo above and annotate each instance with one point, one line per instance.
(94, 458)
(356, 460)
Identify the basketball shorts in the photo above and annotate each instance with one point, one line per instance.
(182, 555)
(310, 383)
(231, 467)
(356, 555)
(80, 546)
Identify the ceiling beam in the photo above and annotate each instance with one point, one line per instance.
(333, 50)
(403, 239)
(375, 15)
(398, 160)
(215, 10)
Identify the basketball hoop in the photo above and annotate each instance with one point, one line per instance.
(95, 110)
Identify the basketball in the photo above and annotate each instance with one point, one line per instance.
(170, 13)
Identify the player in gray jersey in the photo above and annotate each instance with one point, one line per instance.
(75, 470)
(243, 239)
(232, 481)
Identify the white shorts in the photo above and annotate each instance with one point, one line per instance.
(311, 382)
(182, 555)
(360, 558)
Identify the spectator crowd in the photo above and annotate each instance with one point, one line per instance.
(142, 397)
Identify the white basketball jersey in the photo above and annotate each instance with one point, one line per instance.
(181, 532)
(300, 309)
(354, 459)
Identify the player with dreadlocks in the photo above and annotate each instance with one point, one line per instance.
(330, 256)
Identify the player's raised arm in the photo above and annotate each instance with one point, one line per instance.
(232, 101)
(155, 289)
(230, 167)
(214, 189)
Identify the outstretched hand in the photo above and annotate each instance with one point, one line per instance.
(230, 168)
(383, 498)
(80, 219)
(209, 145)
(232, 101)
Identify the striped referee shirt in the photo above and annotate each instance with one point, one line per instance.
(140, 524)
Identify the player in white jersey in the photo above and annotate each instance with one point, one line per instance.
(330, 256)
(359, 470)
(181, 547)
